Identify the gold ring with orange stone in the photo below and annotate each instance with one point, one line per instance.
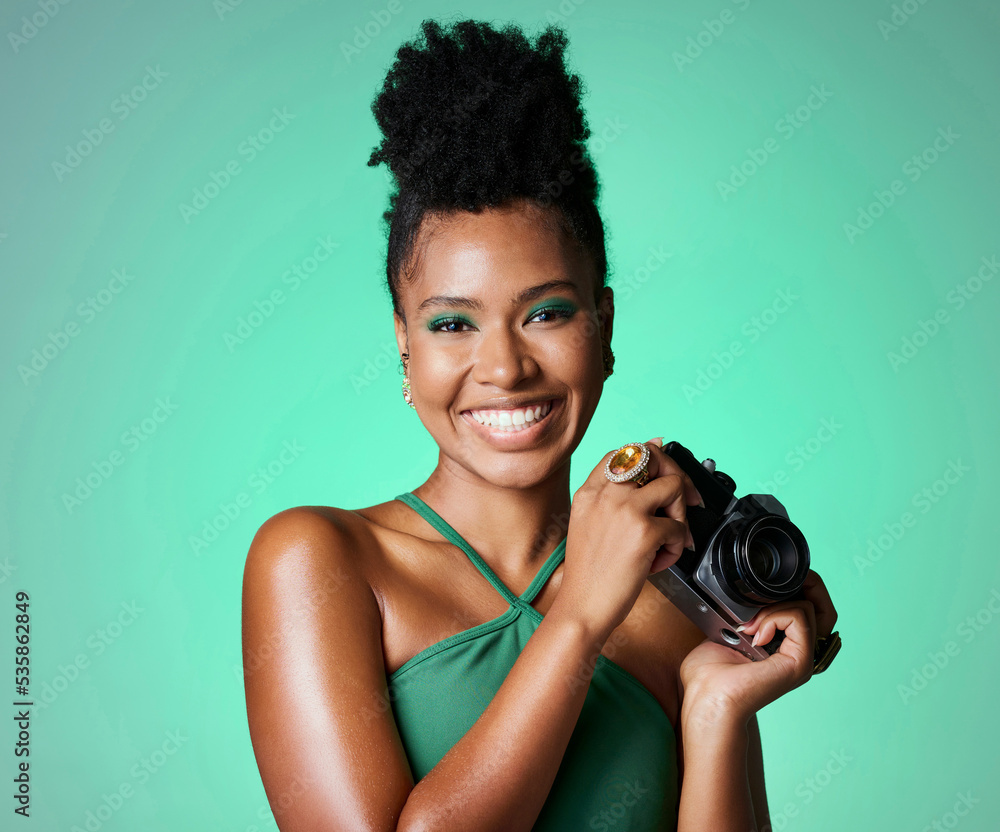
(628, 464)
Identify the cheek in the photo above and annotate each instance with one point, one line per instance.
(584, 350)
(441, 372)
(577, 364)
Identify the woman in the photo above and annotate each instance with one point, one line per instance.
(481, 653)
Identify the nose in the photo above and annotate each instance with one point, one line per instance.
(503, 359)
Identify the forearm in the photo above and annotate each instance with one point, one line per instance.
(498, 776)
(715, 792)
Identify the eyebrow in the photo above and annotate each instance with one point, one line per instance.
(471, 303)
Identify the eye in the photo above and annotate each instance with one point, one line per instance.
(444, 324)
(554, 313)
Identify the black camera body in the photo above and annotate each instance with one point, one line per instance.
(747, 555)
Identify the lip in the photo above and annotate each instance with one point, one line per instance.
(516, 439)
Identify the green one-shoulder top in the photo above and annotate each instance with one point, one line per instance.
(619, 772)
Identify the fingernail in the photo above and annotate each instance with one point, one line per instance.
(658, 440)
(741, 628)
(756, 637)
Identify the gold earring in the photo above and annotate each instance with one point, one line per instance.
(609, 359)
(407, 395)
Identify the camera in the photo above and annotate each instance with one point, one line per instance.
(747, 555)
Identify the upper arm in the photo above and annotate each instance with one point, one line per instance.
(323, 733)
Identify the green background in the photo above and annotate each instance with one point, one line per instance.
(322, 370)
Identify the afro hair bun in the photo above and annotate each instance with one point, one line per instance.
(473, 116)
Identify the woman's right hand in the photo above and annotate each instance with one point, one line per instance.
(615, 539)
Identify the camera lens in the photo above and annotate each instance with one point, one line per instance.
(764, 559)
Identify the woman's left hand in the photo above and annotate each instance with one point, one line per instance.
(723, 682)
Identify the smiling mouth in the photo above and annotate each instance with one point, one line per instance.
(512, 421)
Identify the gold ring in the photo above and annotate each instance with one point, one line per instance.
(628, 464)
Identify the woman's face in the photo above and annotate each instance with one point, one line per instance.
(500, 316)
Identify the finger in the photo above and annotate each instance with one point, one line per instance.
(753, 625)
(662, 559)
(660, 463)
(799, 641)
(666, 492)
(826, 614)
(766, 624)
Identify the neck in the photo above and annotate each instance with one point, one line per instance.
(513, 528)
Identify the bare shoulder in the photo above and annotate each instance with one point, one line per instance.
(292, 525)
(313, 672)
(312, 535)
(319, 548)
(304, 555)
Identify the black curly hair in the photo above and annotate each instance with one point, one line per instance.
(472, 116)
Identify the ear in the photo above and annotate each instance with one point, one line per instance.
(606, 312)
(400, 326)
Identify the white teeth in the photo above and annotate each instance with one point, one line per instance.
(511, 420)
